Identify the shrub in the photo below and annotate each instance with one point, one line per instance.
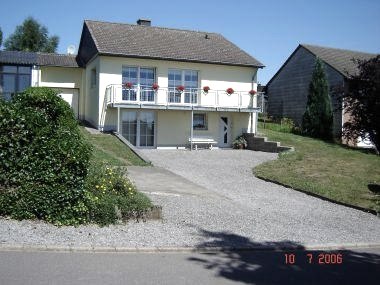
(284, 125)
(43, 159)
(240, 142)
(113, 196)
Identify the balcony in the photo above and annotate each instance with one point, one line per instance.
(117, 95)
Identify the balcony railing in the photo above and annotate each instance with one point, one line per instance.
(118, 94)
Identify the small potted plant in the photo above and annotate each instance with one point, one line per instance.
(128, 85)
(155, 86)
(230, 91)
(252, 92)
(180, 88)
(206, 89)
(240, 143)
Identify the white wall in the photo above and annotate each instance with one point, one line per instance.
(60, 77)
(93, 99)
(66, 80)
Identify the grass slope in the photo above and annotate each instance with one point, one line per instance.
(330, 170)
(111, 151)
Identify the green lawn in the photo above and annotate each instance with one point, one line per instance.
(326, 169)
(111, 151)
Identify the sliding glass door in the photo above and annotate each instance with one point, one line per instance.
(138, 127)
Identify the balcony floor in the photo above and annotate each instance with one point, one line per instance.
(184, 107)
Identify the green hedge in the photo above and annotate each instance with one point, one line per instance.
(113, 197)
(43, 159)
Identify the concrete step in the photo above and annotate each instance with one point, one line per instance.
(262, 144)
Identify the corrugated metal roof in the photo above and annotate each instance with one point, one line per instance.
(163, 43)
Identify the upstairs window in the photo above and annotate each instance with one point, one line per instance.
(186, 78)
(93, 78)
(142, 79)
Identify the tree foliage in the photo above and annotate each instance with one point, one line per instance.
(362, 103)
(317, 120)
(1, 37)
(31, 36)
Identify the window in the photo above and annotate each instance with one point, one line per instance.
(93, 77)
(191, 85)
(129, 126)
(187, 78)
(200, 121)
(142, 79)
(14, 79)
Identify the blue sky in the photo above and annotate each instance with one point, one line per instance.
(269, 30)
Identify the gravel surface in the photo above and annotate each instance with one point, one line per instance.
(229, 207)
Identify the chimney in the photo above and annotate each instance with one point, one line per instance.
(144, 22)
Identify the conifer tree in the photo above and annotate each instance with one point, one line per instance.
(317, 120)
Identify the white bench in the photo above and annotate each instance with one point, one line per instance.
(203, 140)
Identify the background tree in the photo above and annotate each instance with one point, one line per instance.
(31, 36)
(1, 37)
(362, 103)
(317, 120)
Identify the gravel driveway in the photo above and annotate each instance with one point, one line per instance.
(211, 198)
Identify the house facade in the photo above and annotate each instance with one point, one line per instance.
(287, 91)
(157, 87)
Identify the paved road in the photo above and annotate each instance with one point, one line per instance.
(256, 267)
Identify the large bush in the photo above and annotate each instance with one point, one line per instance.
(43, 159)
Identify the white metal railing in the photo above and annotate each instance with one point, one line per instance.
(119, 94)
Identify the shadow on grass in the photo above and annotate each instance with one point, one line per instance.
(374, 188)
(241, 260)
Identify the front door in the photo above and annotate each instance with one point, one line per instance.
(224, 130)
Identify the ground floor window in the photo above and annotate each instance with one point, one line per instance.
(14, 79)
(138, 127)
(199, 121)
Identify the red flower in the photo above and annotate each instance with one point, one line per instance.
(230, 91)
(206, 89)
(180, 88)
(155, 86)
(128, 85)
(252, 92)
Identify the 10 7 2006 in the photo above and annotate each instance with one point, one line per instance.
(316, 258)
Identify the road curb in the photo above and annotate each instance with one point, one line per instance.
(106, 249)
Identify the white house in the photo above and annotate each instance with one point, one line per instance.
(150, 83)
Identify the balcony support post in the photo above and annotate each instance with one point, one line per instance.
(118, 120)
(191, 129)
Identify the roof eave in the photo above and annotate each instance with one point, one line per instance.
(180, 60)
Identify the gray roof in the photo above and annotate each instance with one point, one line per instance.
(339, 59)
(162, 43)
(37, 58)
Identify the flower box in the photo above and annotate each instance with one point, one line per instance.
(230, 91)
(180, 88)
